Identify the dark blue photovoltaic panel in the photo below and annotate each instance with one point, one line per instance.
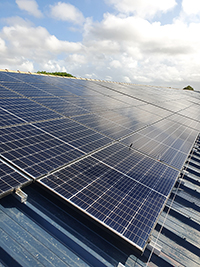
(5, 77)
(22, 77)
(27, 109)
(5, 93)
(75, 134)
(62, 106)
(145, 170)
(116, 158)
(35, 151)
(191, 112)
(166, 141)
(6, 119)
(185, 121)
(103, 125)
(10, 179)
(124, 205)
(26, 89)
(53, 90)
(117, 124)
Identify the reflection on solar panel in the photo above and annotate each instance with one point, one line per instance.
(5, 93)
(7, 119)
(109, 194)
(27, 109)
(166, 141)
(35, 151)
(112, 150)
(10, 179)
(75, 134)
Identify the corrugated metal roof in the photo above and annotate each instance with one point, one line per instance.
(46, 232)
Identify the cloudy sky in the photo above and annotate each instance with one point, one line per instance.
(153, 42)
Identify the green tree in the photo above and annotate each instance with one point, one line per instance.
(188, 88)
(65, 74)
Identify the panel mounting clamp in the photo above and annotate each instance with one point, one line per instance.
(20, 195)
(154, 247)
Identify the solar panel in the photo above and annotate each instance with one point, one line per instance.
(75, 134)
(7, 119)
(119, 123)
(5, 93)
(165, 140)
(122, 191)
(10, 179)
(34, 151)
(64, 107)
(4, 76)
(25, 89)
(28, 110)
(114, 151)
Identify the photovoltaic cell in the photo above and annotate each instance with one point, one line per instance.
(5, 77)
(35, 151)
(116, 158)
(167, 141)
(6, 119)
(145, 170)
(64, 107)
(5, 93)
(10, 179)
(126, 204)
(26, 89)
(75, 134)
(28, 110)
(185, 121)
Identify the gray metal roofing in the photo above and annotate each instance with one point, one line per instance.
(46, 232)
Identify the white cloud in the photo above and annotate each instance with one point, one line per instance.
(28, 47)
(66, 12)
(137, 36)
(115, 64)
(2, 46)
(191, 7)
(143, 8)
(28, 39)
(77, 58)
(30, 6)
(121, 47)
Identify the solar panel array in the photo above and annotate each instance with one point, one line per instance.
(113, 151)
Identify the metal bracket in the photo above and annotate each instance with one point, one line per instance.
(20, 195)
(154, 247)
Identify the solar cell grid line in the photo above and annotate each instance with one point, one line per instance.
(61, 106)
(6, 93)
(138, 167)
(26, 89)
(108, 196)
(10, 179)
(28, 110)
(164, 132)
(103, 125)
(24, 77)
(191, 112)
(6, 77)
(35, 151)
(181, 119)
(75, 134)
(7, 119)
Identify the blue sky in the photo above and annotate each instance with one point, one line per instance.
(139, 41)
